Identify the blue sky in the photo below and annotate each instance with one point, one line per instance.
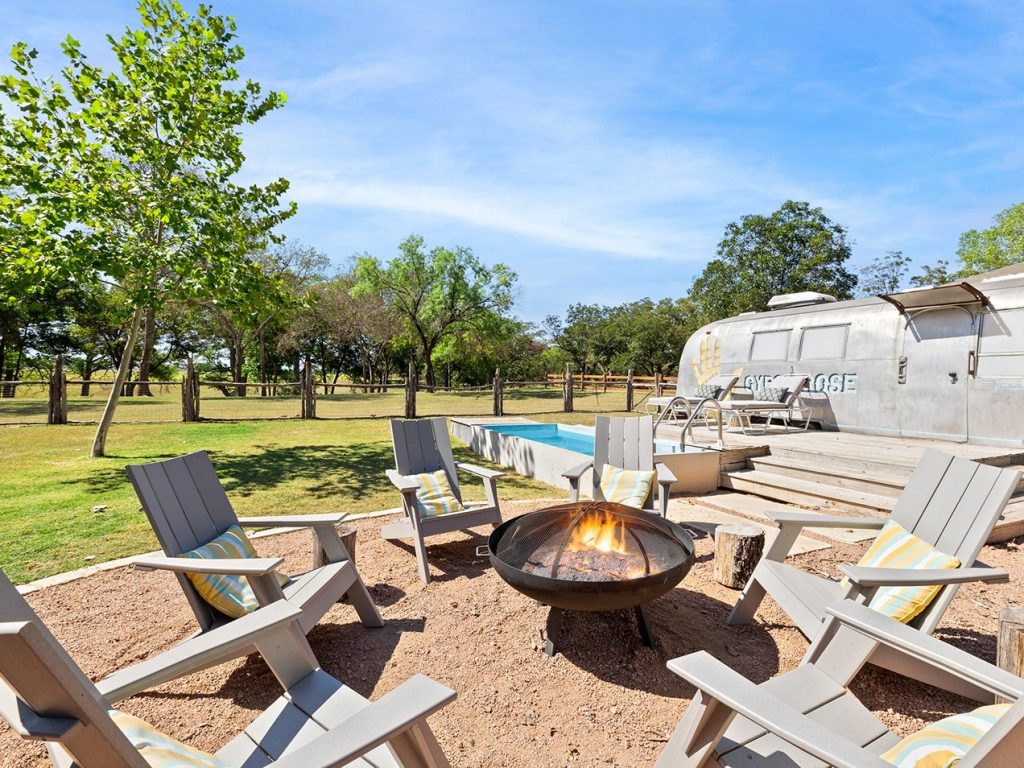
(600, 148)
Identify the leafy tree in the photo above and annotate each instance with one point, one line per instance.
(583, 336)
(796, 248)
(936, 275)
(884, 275)
(129, 176)
(435, 293)
(654, 334)
(1000, 245)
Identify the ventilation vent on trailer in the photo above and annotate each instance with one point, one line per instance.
(802, 299)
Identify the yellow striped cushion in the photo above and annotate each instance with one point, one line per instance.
(159, 749)
(229, 594)
(942, 744)
(626, 486)
(435, 496)
(896, 547)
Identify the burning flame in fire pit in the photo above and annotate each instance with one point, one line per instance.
(598, 529)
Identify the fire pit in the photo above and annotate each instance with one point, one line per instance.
(591, 556)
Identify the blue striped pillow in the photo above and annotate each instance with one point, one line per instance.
(435, 495)
(626, 486)
(160, 750)
(228, 593)
(942, 744)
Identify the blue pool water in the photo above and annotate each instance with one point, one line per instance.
(571, 438)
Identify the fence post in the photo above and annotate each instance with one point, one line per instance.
(499, 393)
(190, 393)
(657, 383)
(567, 389)
(57, 406)
(308, 392)
(410, 392)
(629, 390)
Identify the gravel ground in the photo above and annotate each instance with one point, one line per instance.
(605, 700)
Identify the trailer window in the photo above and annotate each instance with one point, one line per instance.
(770, 345)
(1001, 349)
(827, 342)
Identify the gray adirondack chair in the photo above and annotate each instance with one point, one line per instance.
(626, 443)
(809, 717)
(317, 723)
(187, 507)
(950, 502)
(423, 445)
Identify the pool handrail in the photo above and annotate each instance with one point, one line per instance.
(688, 427)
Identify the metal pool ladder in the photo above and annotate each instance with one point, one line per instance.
(688, 427)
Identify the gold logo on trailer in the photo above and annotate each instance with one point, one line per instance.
(709, 362)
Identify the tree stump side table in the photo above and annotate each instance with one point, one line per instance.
(738, 549)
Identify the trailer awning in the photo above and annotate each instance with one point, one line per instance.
(949, 295)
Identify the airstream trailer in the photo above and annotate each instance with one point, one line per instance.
(943, 362)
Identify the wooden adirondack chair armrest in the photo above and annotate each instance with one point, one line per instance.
(665, 476)
(811, 520)
(924, 647)
(395, 712)
(717, 681)
(403, 483)
(190, 655)
(574, 474)
(234, 566)
(293, 521)
(866, 577)
(28, 724)
(473, 469)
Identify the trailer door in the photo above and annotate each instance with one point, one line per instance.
(933, 374)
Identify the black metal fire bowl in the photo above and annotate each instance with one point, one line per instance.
(609, 595)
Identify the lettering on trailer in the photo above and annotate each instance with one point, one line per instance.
(825, 383)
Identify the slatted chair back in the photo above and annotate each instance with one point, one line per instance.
(626, 443)
(952, 503)
(793, 384)
(423, 445)
(45, 696)
(187, 507)
(725, 385)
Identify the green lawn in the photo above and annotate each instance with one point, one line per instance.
(49, 485)
(29, 407)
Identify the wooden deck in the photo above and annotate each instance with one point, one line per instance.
(843, 472)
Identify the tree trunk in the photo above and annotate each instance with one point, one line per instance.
(146, 362)
(263, 362)
(99, 443)
(86, 375)
(430, 374)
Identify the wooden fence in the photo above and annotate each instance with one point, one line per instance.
(307, 390)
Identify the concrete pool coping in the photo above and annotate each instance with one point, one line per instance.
(695, 472)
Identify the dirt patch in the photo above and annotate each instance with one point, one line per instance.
(606, 700)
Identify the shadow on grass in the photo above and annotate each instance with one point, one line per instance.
(354, 471)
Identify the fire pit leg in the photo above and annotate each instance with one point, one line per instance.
(645, 628)
(554, 629)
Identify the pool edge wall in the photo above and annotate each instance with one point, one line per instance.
(695, 473)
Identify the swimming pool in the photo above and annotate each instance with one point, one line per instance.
(546, 451)
(571, 437)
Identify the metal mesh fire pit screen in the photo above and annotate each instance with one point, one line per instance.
(591, 556)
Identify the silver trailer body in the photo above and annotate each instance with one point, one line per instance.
(945, 362)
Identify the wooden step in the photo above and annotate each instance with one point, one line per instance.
(838, 474)
(1011, 525)
(806, 493)
(758, 508)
